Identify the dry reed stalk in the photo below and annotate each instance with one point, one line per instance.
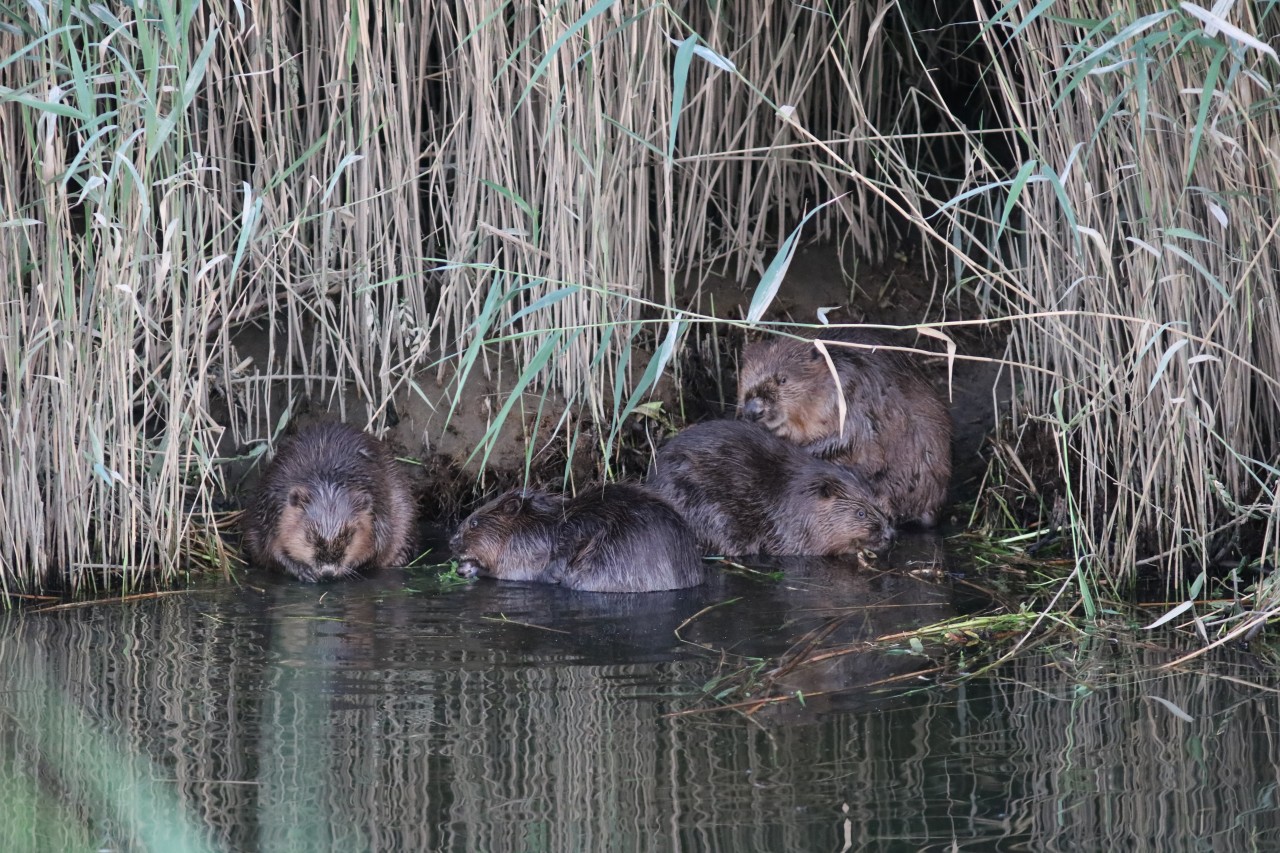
(366, 182)
(1144, 214)
(107, 310)
(574, 175)
(745, 178)
(304, 167)
(322, 141)
(168, 179)
(1134, 250)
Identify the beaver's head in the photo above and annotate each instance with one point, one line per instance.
(325, 532)
(785, 385)
(511, 537)
(846, 517)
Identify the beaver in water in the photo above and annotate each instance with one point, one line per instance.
(744, 490)
(896, 430)
(332, 502)
(617, 538)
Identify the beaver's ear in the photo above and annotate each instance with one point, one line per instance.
(511, 503)
(299, 496)
(827, 488)
(538, 501)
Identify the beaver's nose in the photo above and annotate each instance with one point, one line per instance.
(752, 410)
(888, 535)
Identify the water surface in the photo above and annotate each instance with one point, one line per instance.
(398, 713)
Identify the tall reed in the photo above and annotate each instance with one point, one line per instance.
(1139, 238)
(111, 271)
(379, 188)
(370, 186)
(1116, 214)
(174, 173)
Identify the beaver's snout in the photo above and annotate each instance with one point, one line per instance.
(888, 536)
(752, 410)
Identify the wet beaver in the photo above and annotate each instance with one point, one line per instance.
(331, 503)
(617, 538)
(896, 431)
(744, 490)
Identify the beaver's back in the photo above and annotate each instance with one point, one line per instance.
(615, 538)
(625, 538)
(744, 490)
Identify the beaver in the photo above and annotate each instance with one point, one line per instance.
(896, 430)
(617, 538)
(744, 490)
(331, 503)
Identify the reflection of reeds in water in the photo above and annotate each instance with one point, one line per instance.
(1107, 762)
(76, 746)
(286, 724)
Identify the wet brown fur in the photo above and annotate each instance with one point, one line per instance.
(616, 538)
(332, 503)
(896, 430)
(744, 490)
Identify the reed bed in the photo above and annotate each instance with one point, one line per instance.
(381, 192)
(373, 188)
(1137, 237)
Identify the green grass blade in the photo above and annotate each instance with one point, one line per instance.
(767, 289)
(679, 80)
(550, 345)
(544, 302)
(655, 368)
(541, 68)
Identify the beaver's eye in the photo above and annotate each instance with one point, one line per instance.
(862, 513)
(782, 380)
(473, 523)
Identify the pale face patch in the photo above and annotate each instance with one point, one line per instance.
(291, 538)
(319, 542)
(352, 547)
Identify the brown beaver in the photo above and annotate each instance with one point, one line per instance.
(744, 490)
(896, 430)
(332, 502)
(617, 538)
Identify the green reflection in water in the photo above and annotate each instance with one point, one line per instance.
(56, 758)
(394, 715)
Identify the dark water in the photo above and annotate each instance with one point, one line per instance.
(400, 714)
